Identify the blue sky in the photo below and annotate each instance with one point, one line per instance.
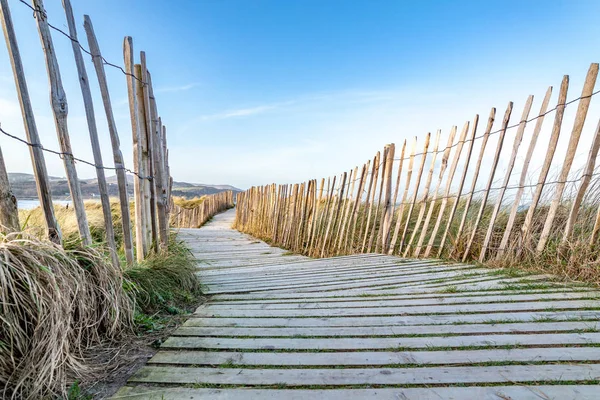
(254, 92)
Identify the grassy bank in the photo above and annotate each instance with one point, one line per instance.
(66, 310)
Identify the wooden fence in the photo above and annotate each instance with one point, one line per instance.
(152, 179)
(419, 203)
(196, 216)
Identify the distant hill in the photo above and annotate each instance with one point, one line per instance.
(23, 187)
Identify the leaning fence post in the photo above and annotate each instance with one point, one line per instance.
(511, 163)
(517, 199)
(91, 121)
(35, 149)
(486, 192)
(584, 104)
(114, 139)
(58, 100)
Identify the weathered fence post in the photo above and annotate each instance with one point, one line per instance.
(91, 121)
(139, 178)
(9, 214)
(582, 108)
(114, 139)
(35, 149)
(58, 100)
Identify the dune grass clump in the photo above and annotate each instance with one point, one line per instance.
(165, 281)
(188, 203)
(55, 304)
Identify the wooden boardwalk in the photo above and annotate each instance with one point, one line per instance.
(281, 326)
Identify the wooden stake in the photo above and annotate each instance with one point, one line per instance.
(114, 139)
(403, 201)
(9, 213)
(511, 163)
(558, 117)
(91, 121)
(58, 100)
(35, 149)
(388, 210)
(372, 200)
(455, 160)
(416, 192)
(486, 192)
(423, 201)
(138, 186)
(520, 190)
(443, 168)
(355, 209)
(582, 109)
(585, 182)
(158, 170)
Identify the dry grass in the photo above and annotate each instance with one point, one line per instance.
(61, 306)
(56, 303)
(188, 203)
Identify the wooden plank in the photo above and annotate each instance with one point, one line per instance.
(216, 307)
(382, 331)
(486, 191)
(374, 358)
(582, 109)
(406, 310)
(91, 121)
(404, 320)
(521, 392)
(364, 376)
(58, 100)
(509, 168)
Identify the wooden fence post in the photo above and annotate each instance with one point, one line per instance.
(375, 176)
(443, 168)
(558, 117)
(35, 149)
(159, 173)
(150, 123)
(522, 180)
(585, 182)
(355, 209)
(114, 139)
(423, 201)
(582, 108)
(388, 210)
(91, 121)
(9, 214)
(58, 100)
(486, 192)
(404, 195)
(416, 192)
(460, 185)
(138, 180)
(150, 224)
(374, 230)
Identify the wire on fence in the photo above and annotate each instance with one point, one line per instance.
(104, 60)
(63, 154)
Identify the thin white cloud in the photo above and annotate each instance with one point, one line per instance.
(180, 88)
(244, 112)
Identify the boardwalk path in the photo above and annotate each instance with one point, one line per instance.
(282, 326)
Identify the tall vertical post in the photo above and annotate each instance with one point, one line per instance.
(9, 214)
(138, 180)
